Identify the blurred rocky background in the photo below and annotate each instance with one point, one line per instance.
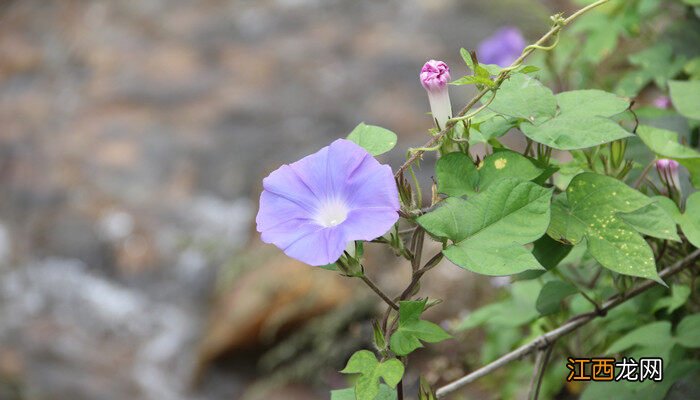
(133, 138)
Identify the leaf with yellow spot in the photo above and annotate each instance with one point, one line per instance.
(592, 211)
(506, 164)
(653, 220)
(457, 175)
(489, 229)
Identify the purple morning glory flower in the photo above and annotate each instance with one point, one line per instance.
(312, 208)
(434, 77)
(501, 48)
(662, 102)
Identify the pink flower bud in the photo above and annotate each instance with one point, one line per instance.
(662, 102)
(668, 171)
(434, 77)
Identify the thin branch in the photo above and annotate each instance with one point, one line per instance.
(431, 263)
(662, 250)
(584, 10)
(417, 247)
(527, 147)
(385, 320)
(570, 326)
(538, 373)
(592, 282)
(408, 292)
(643, 175)
(379, 292)
(345, 270)
(408, 230)
(418, 274)
(539, 362)
(581, 291)
(473, 113)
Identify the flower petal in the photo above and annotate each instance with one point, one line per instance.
(326, 172)
(372, 185)
(345, 158)
(369, 223)
(321, 247)
(275, 209)
(284, 182)
(286, 233)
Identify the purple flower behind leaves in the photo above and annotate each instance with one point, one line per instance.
(312, 208)
(501, 48)
(662, 102)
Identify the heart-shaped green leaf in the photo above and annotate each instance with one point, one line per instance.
(665, 144)
(375, 139)
(524, 97)
(552, 294)
(591, 103)
(685, 96)
(412, 330)
(489, 229)
(365, 363)
(574, 131)
(653, 220)
(457, 175)
(690, 220)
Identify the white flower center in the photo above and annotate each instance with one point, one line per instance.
(331, 213)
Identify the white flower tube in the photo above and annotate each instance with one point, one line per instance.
(434, 77)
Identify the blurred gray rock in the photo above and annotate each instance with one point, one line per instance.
(82, 336)
(134, 138)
